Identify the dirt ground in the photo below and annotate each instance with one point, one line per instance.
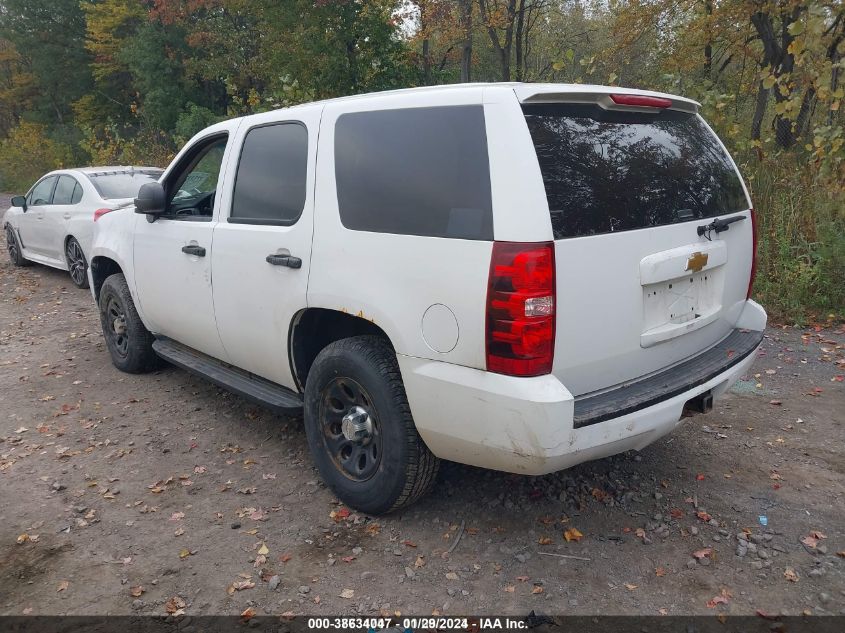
(142, 494)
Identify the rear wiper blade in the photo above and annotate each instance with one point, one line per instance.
(718, 225)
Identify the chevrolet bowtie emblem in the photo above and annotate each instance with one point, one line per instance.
(697, 261)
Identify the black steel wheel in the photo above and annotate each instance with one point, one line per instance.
(14, 248)
(350, 428)
(127, 339)
(77, 265)
(360, 429)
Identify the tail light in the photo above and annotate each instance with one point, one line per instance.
(753, 254)
(100, 213)
(521, 309)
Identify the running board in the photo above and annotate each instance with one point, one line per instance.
(268, 394)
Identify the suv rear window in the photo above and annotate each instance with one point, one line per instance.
(415, 171)
(122, 184)
(606, 170)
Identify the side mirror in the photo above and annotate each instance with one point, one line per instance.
(19, 201)
(151, 200)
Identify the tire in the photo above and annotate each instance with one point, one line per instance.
(361, 374)
(128, 341)
(13, 245)
(77, 265)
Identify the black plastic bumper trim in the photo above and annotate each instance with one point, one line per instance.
(640, 394)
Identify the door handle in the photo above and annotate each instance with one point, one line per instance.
(193, 249)
(66, 216)
(284, 260)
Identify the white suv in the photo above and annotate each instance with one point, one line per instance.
(515, 276)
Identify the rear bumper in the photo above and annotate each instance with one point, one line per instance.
(528, 425)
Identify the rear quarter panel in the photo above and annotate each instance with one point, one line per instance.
(392, 279)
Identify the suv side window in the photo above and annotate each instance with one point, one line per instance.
(193, 184)
(272, 171)
(42, 193)
(415, 171)
(65, 190)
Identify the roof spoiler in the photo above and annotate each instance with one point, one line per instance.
(607, 97)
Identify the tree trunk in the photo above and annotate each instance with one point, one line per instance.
(759, 111)
(466, 53)
(520, 51)
(426, 54)
(708, 47)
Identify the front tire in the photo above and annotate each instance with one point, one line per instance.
(360, 429)
(127, 339)
(14, 248)
(77, 265)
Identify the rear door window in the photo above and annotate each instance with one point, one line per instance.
(270, 184)
(415, 171)
(606, 171)
(64, 190)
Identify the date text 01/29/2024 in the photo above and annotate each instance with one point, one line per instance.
(409, 624)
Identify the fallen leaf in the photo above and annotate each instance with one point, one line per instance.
(640, 532)
(537, 589)
(420, 562)
(248, 613)
(716, 600)
(702, 553)
(841, 554)
(177, 516)
(174, 605)
(285, 557)
(701, 514)
(660, 572)
(451, 576)
(790, 575)
(776, 403)
(630, 586)
(545, 540)
(347, 593)
(409, 543)
(699, 477)
(663, 611)
(263, 550)
(510, 589)
(184, 553)
(522, 578)
(136, 592)
(339, 515)
(572, 534)
(817, 534)
(179, 531)
(676, 513)
(23, 538)
(63, 585)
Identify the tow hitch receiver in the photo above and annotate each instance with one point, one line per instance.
(702, 403)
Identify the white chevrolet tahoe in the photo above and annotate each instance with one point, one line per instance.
(521, 277)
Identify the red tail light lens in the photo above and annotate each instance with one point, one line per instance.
(753, 254)
(100, 213)
(521, 309)
(641, 101)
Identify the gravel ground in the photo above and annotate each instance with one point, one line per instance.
(148, 494)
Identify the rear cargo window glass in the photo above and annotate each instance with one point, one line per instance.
(415, 171)
(270, 183)
(122, 184)
(608, 171)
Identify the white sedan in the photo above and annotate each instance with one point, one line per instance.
(53, 224)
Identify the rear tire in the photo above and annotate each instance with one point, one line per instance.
(128, 340)
(77, 265)
(360, 429)
(13, 245)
